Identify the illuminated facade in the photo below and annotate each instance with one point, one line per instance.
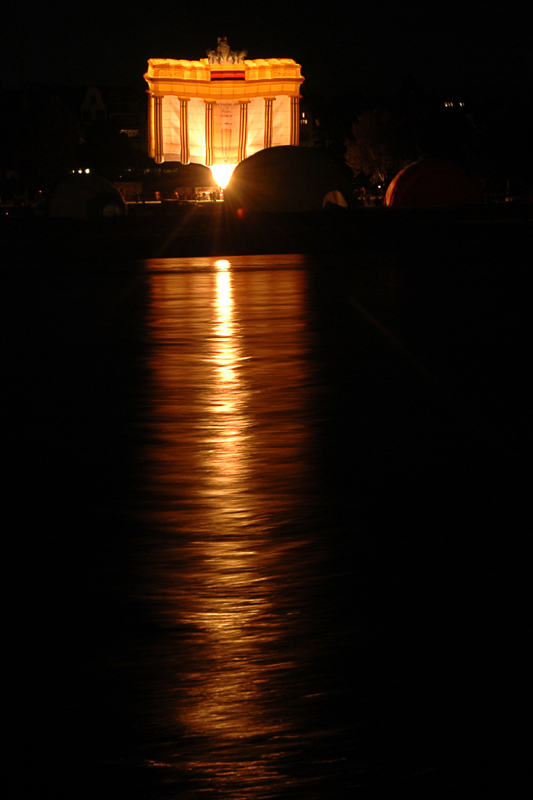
(221, 109)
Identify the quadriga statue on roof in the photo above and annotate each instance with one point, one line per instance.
(223, 54)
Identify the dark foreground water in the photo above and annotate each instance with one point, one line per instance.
(269, 532)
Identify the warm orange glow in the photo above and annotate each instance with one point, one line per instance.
(219, 566)
(226, 357)
(222, 173)
(221, 113)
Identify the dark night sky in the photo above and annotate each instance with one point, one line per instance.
(467, 46)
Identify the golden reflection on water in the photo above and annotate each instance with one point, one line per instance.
(227, 426)
(227, 454)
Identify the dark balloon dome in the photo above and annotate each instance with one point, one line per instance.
(286, 178)
(84, 196)
(433, 182)
(194, 175)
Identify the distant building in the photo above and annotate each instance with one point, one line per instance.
(308, 125)
(122, 107)
(93, 107)
(223, 108)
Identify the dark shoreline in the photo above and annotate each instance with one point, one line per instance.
(176, 230)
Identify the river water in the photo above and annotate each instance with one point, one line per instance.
(267, 541)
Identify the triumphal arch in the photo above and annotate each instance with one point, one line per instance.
(223, 108)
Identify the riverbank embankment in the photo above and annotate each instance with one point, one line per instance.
(162, 230)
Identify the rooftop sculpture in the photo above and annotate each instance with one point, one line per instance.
(223, 54)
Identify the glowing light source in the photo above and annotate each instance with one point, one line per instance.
(222, 173)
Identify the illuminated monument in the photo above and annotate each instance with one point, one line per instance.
(221, 109)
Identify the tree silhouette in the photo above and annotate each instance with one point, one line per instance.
(385, 140)
(382, 144)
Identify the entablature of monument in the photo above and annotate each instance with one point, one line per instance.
(261, 69)
(236, 90)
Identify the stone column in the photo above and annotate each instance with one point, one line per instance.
(151, 131)
(269, 103)
(158, 129)
(184, 129)
(243, 129)
(295, 120)
(209, 132)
